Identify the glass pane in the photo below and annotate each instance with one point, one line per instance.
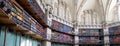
(23, 41)
(30, 41)
(10, 39)
(2, 31)
(33, 42)
(17, 40)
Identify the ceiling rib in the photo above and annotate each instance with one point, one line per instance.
(80, 7)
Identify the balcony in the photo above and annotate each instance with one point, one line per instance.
(20, 17)
(36, 9)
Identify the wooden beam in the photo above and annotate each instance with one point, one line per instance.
(8, 25)
(6, 21)
(30, 33)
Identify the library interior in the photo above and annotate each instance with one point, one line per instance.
(59, 23)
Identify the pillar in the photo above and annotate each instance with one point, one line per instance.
(106, 38)
(76, 41)
(46, 43)
(76, 38)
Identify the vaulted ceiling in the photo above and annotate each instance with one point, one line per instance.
(99, 6)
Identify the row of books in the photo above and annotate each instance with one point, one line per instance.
(114, 30)
(114, 36)
(37, 8)
(89, 40)
(89, 32)
(61, 37)
(5, 6)
(114, 39)
(61, 27)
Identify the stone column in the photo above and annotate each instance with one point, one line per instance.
(76, 38)
(46, 43)
(106, 38)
